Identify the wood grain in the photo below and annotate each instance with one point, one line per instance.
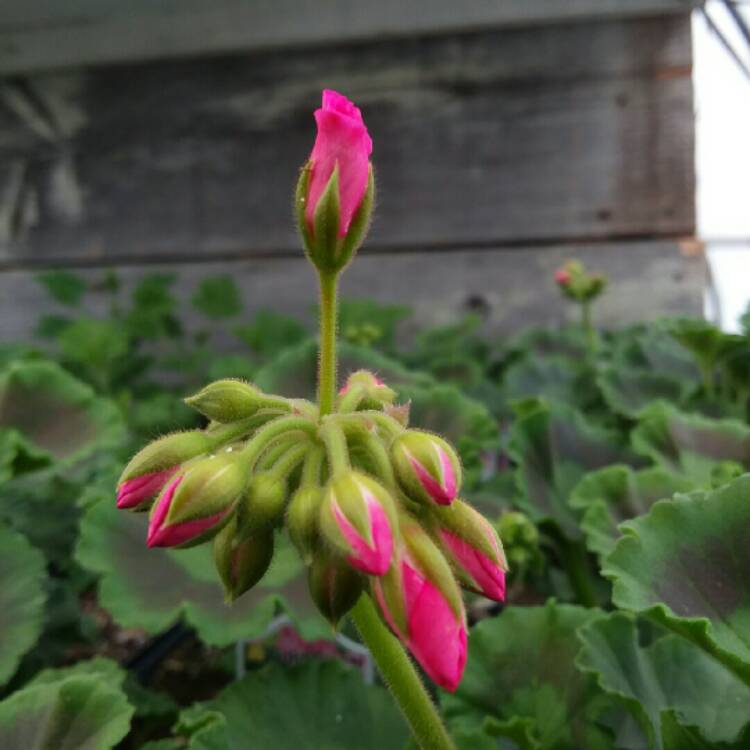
(580, 131)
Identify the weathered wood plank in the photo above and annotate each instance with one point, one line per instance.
(493, 137)
(511, 288)
(43, 34)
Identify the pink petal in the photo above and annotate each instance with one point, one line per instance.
(133, 492)
(444, 492)
(437, 638)
(179, 533)
(488, 576)
(342, 139)
(371, 558)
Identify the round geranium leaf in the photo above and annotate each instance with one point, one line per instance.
(617, 493)
(152, 588)
(686, 564)
(22, 576)
(81, 712)
(55, 412)
(521, 680)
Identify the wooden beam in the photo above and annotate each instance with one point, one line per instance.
(481, 139)
(44, 34)
(512, 288)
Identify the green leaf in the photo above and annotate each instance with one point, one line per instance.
(153, 588)
(318, 704)
(18, 455)
(615, 494)
(93, 347)
(270, 333)
(370, 323)
(109, 670)
(669, 674)
(521, 668)
(630, 391)
(554, 446)
(685, 564)
(154, 306)
(690, 445)
(22, 576)
(56, 412)
(567, 342)
(77, 713)
(218, 297)
(51, 326)
(65, 287)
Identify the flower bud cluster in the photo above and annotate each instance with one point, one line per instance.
(577, 283)
(372, 505)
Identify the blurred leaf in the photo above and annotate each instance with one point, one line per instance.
(689, 444)
(231, 366)
(554, 378)
(110, 671)
(318, 704)
(217, 297)
(63, 286)
(685, 565)
(22, 575)
(93, 347)
(51, 326)
(153, 588)
(56, 412)
(618, 493)
(270, 333)
(154, 306)
(368, 323)
(554, 446)
(631, 392)
(77, 713)
(669, 674)
(521, 669)
(569, 343)
(19, 456)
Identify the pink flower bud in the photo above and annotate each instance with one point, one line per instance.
(487, 575)
(196, 503)
(357, 518)
(473, 548)
(435, 634)
(562, 277)
(139, 490)
(342, 141)
(426, 466)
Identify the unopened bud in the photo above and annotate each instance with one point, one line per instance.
(231, 400)
(334, 585)
(241, 561)
(473, 548)
(262, 506)
(426, 466)
(367, 390)
(197, 503)
(302, 520)
(166, 453)
(358, 518)
(421, 602)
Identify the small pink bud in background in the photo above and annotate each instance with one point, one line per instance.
(473, 548)
(434, 634)
(139, 490)
(342, 141)
(364, 390)
(357, 518)
(427, 467)
(562, 277)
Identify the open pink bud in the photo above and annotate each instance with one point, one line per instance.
(357, 518)
(426, 466)
(342, 141)
(139, 490)
(487, 576)
(435, 634)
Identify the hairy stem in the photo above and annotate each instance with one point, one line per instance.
(402, 679)
(327, 356)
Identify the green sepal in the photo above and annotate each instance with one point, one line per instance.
(241, 561)
(334, 585)
(262, 505)
(166, 452)
(360, 223)
(302, 520)
(325, 254)
(208, 487)
(300, 203)
(230, 400)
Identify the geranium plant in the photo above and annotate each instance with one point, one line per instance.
(372, 504)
